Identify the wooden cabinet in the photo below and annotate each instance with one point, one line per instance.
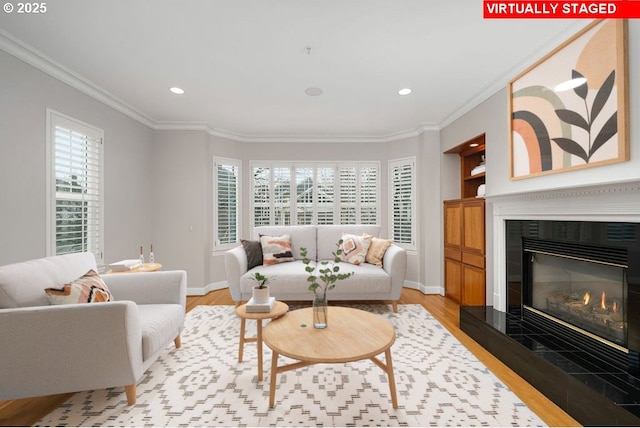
(464, 251)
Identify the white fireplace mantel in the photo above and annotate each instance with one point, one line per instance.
(608, 202)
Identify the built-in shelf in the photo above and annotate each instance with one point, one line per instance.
(471, 154)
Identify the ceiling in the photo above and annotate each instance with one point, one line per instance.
(244, 64)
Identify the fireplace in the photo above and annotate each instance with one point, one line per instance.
(579, 281)
(596, 382)
(578, 291)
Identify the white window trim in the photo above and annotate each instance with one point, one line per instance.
(392, 163)
(54, 118)
(217, 246)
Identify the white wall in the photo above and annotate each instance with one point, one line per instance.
(25, 94)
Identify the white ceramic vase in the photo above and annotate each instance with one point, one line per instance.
(260, 295)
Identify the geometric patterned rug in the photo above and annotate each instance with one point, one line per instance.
(439, 383)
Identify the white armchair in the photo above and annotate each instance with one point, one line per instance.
(50, 349)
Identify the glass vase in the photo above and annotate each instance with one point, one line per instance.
(320, 312)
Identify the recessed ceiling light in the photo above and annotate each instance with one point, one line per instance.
(176, 90)
(313, 92)
(474, 145)
(404, 91)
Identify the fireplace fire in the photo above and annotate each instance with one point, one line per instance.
(587, 295)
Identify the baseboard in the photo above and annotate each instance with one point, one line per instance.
(432, 289)
(201, 291)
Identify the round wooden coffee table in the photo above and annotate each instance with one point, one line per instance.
(279, 309)
(351, 335)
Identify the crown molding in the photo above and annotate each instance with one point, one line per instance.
(48, 65)
(495, 87)
(42, 62)
(285, 138)
(37, 59)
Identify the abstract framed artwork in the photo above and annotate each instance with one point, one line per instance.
(570, 109)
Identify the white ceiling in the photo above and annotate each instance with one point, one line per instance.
(244, 66)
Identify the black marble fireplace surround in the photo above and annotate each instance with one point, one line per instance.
(593, 382)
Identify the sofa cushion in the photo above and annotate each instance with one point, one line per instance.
(377, 249)
(89, 288)
(276, 249)
(354, 248)
(301, 236)
(285, 278)
(366, 279)
(21, 284)
(254, 253)
(160, 324)
(329, 235)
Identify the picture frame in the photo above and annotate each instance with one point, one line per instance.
(569, 110)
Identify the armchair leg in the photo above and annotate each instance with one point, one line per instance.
(130, 391)
(394, 305)
(177, 341)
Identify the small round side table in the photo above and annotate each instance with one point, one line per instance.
(279, 309)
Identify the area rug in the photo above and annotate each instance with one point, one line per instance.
(439, 383)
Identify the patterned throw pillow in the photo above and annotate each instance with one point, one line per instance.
(276, 249)
(254, 253)
(376, 251)
(89, 288)
(354, 248)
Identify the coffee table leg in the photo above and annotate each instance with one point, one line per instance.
(274, 372)
(259, 349)
(391, 377)
(242, 329)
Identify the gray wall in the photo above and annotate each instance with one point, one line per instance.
(25, 94)
(491, 117)
(158, 184)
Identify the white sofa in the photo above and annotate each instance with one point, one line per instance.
(289, 280)
(51, 349)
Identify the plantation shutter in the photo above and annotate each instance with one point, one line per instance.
(304, 195)
(282, 195)
(368, 194)
(315, 193)
(402, 196)
(76, 174)
(261, 195)
(347, 177)
(227, 188)
(326, 193)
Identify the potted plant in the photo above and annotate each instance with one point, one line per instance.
(329, 275)
(260, 291)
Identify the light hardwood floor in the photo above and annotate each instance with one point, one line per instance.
(26, 412)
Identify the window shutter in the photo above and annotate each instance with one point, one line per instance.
(261, 196)
(368, 194)
(402, 197)
(326, 194)
(282, 196)
(76, 173)
(323, 193)
(304, 195)
(347, 195)
(228, 202)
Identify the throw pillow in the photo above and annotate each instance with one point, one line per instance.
(276, 249)
(377, 249)
(254, 253)
(354, 248)
(89, 288)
